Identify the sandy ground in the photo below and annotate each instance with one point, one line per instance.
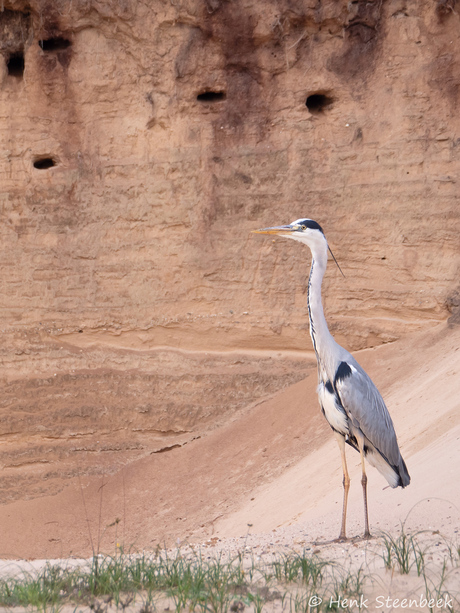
(270, 479)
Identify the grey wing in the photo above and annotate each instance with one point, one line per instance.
(367, 411)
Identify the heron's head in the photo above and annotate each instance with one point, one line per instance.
(304, 230)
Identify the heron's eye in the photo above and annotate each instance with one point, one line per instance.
(303, 227)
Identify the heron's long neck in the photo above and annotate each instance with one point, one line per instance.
(320, 335)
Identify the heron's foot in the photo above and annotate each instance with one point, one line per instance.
(330, 541)
(325, 543)
(342, 538)
(353, 539)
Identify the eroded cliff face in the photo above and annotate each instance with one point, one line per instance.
(141, 144)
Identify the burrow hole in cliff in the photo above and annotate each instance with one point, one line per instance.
(57, 43)
(15, 65)
(318, 102)
(211, 96)
(43, 163)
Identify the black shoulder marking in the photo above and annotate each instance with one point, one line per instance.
(329, 387)
(343, 371)
(309, 223)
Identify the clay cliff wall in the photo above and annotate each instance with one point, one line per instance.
(174, 128)
(142, 141)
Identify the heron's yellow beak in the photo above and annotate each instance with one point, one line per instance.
(280, 230)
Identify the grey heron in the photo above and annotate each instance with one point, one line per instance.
(349, 400)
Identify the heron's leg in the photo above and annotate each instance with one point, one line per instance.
(367, 534)
(346, 485)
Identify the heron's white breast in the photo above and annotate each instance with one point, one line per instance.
(334, 413)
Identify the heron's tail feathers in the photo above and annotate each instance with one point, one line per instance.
(404, 476)
(397, 476)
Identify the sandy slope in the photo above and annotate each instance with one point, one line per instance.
(276, 465)
(420, 379)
